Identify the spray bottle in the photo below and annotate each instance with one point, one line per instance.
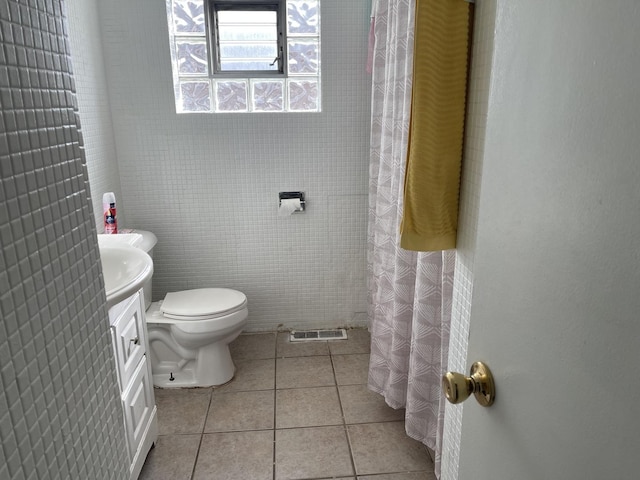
(109, 210)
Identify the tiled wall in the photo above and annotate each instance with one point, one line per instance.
(60, 413)
(207, 184)
(469, 207)
(93, 105)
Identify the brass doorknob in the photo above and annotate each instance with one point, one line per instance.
(457, 387)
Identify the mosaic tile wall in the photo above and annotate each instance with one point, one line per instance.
(207, 184)
(60, 412)
(469, 207)
(94, 105)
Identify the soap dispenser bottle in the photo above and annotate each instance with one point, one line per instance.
(109, 211)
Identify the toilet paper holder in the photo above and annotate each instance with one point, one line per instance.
(293, 195)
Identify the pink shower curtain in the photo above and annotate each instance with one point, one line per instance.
(409, 293)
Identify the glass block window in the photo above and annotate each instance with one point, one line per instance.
(245, 56)
(195, 96)
(303, 95)
(267, 95)
(231, 96)
(192, 57)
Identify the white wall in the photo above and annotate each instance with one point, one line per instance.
(208, 185)
(60, 409)
(94, 106)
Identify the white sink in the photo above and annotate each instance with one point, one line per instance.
(125, 269)
(109, 240)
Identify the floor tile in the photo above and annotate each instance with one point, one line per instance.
(401, 476)
(312, 453)
(238, 411)
(307, 407)
(311, 442)
(172, 458)
(386, 448)
(236, 455)
(285, 348)
(303, 372)
(351, 369)
(182, 410)
(361, 405)
(253, 346)
(358, 341)
(251, 375)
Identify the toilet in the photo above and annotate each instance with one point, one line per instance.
(189, 332)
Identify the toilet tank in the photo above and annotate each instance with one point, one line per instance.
(149, 241)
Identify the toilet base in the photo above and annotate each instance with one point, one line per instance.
(183, 379)
(212, 368)
(174, 366)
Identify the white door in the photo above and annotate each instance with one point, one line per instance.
(556, 297)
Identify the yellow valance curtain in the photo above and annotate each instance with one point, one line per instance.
(432, 178)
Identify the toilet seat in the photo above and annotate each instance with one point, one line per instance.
(202, 304)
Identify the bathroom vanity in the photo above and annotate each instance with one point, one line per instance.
(130, 344)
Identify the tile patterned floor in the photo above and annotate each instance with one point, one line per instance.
(295, 411)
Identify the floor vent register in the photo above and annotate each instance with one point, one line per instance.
(318, 335)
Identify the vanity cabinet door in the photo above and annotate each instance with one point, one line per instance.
(129, 338)
(128, 331)
(138, 402)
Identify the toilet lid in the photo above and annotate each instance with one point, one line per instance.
(203, 303)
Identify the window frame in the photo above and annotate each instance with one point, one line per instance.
(198, 91)
(211, 8)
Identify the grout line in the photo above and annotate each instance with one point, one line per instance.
(275, 379)
(288, 428)
(227, 392)
(306, 388)
(204, 425)
(341, 476)
(344, 420)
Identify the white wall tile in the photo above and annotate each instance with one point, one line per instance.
(94, 106)
(207, 184)
(60, 412)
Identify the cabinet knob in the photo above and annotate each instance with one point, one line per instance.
(136, 341)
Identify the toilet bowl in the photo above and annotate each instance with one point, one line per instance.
(189, 334)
